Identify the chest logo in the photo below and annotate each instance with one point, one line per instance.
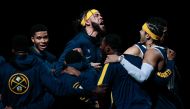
(18, 83)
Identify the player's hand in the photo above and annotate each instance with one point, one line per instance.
(111, 59)
(96, 65)
(171, 54)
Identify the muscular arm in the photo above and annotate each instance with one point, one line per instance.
(60, 65)
(134, 50)
(150, 61)
(53, 84)
(152, 57)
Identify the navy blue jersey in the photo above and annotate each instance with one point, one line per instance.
(44, 102)
(24, 81)
(69, 101)
(88, 76)
(164, 76)
(157, 85)
(86, 81)
(49, 60)
(44, 56)
(127, 92)
(90, 50)
(141, 47)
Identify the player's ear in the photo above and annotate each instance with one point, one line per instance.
(108, 49)
(87, 22)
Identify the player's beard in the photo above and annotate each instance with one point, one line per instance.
(98, 28)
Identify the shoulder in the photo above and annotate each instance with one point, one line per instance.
(152, 57)
(133, 50)
(114, 66)
(34, 61)
(152, 52)
(32, 50)
(80, 35)
(79, 38)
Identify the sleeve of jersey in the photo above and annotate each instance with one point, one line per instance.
(138, 74)
(59, 66)
(54, 85)
(88, 79)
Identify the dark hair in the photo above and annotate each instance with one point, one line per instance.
(114, 41)
(37, 28)
(20, 43)
(157, 25)
(73, 57)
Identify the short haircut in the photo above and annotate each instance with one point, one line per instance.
(114, 41)
(73, 57)
(37, 28)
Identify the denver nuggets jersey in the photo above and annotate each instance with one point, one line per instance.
(23, 82)
(127, 92)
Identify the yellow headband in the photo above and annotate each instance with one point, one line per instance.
(87, 16)
(152, 35)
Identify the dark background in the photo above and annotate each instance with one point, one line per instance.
(121, 17)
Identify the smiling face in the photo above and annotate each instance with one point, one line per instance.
(40, 40)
